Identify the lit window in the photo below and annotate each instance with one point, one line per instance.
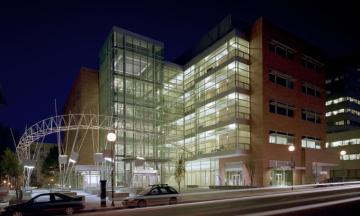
(310, 142)
(276, 137)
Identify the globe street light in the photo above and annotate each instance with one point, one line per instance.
(111, 137)
(342, 154)
(291, 149)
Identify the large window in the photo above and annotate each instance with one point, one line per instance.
(343, 143)
(234, 105)
(339, 111)
(281, 79)
(234, 75)
(281, 50)
(234, 47)
(311, 63)
(276, 137)
(281, 108)
(350, 157)
(310, 89)
(343, 99)
(310, 142)
(311, 116)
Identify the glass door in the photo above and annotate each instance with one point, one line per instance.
(234, 178)
(281, 177)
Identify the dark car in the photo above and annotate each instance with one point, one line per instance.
(160, 194)
(46, 204)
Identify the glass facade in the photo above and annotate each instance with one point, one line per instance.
(217, 109)
(166, 110)
(131, 78)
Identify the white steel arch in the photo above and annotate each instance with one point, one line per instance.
(56, 125)
(62, 123)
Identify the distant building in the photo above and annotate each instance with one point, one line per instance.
(343, 115)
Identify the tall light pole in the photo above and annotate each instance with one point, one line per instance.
(342, 153)
(111, 137)
(291, 150)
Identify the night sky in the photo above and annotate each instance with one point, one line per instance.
(44, 44)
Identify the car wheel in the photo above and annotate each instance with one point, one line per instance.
(17, 213)
(173, 201)
(141, 204)
(69, 211)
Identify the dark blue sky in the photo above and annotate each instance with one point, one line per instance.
(43, 44)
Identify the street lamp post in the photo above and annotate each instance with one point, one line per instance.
(111, 137)
(291, 150)
(342, 153)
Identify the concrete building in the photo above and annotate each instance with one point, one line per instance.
(343, 115)
(232, 106)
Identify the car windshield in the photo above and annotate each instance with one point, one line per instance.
(145, 191)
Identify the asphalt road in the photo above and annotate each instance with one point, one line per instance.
(332, 200)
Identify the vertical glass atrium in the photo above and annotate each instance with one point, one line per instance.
(131, 77)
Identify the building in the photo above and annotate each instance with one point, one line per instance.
(83, 99)
(131, 85)
(232, 106)
(343, 115)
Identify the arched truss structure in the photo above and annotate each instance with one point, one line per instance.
(57, 125)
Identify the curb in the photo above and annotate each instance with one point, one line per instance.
(100, 209)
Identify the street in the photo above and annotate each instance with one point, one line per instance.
(304, 202)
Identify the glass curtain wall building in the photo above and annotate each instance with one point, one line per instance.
(201, 112)
(217, 109)
(131, 79)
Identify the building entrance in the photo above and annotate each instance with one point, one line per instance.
(145, 177)
(234, 174)
(281, 177)
(234, 178)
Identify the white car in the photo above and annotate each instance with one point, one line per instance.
(160, 194)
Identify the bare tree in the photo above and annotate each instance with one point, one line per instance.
(250, 166)
(180, 170)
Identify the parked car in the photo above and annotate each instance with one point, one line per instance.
(333, 179)
(160, 194)
(46, 204)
